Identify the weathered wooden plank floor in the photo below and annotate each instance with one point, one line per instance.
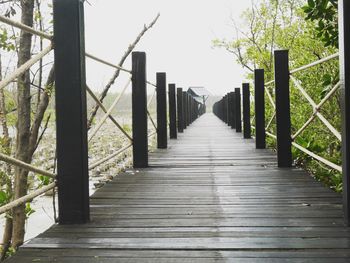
(210, 197)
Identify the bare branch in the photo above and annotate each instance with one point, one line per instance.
(117, 72)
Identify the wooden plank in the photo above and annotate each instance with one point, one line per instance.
(193, 205)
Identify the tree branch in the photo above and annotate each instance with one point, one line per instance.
(117, 72)
(44, 102)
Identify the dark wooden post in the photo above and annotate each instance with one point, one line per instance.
(189, 112)
(185, 106)
(192, 113)
(225, 108)
(284, 141)
(162, 136)
(192, 109)
(180, 111)
(139, 110)
(233, 101)
(344, 55)
(189, 108)
(71, 116)
(238, 110)
(227, 99)
(246, 111)
(172, 112)
(259, 99)
(222, 109)
(229, 109)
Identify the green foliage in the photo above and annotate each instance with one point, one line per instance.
(276, 25)
(127, 128)
(28, 210)
(10, 252)
(44, 180)
(325, 14)
(7, 42)
(3, 198)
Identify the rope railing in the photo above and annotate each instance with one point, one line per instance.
(25, 28)
(316, 108)
(316, 111)
(269, 82)
(271, 120)
(73, 141)
(27, 198)
(22, 69)
(148, 107)
(19, 71)
(273, 105)
(109, 157)
(151, 84)
(109, 111)
(25, 166)
(4, 83)
(104, 62)
(315, 63)
(106, 111)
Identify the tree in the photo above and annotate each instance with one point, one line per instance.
(28, 122)
(325, 14)
(272, 25)
(33, 96)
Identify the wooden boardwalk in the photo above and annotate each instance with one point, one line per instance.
(211, 197)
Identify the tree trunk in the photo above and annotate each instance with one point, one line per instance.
(23, 125)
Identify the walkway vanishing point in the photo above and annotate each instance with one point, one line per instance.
(210, 197)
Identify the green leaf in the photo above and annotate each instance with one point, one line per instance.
(311, 3)
(3, 197)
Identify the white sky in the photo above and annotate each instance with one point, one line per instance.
(179, 44)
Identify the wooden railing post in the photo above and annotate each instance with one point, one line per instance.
(225, 109)
(180, 111)
(233, 100)
(344, 55)
(238, 110)
(139, 110)
(284, 141)
(190, 108)
(189, 101)
(71, 120)
(246, 111)
(185, 106)
(162, 135)
(172, 112)
(229, 109)
(221, 108)
(259, 100)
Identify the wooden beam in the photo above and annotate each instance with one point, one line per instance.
(162, 134)
(172, 111)
(139, 110)
(71, 117)
(259, 100)
(344, 56)
(246, 111)
(180, 110)
(283, 123)
(238, 110)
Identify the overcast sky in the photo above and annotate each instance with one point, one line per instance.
(179, 44)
